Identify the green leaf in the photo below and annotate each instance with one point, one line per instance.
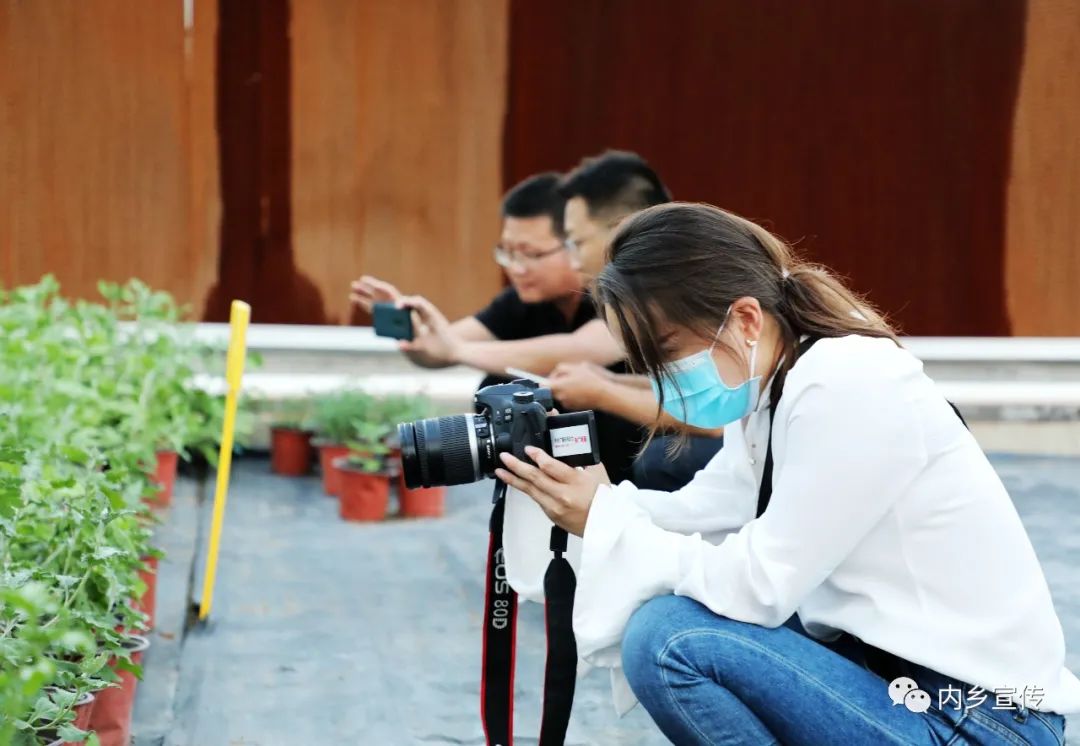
(105, 552)
(69, 732)
(94, 664)
(127, 665)
(76, 640)
(45, 710)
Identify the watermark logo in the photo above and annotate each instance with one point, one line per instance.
(905, 691)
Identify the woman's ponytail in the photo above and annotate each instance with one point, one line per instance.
(684, 264)
(811, 299)
(815, 302)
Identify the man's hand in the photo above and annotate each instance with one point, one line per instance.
(368, 290)
(433, 338)
(580, 385)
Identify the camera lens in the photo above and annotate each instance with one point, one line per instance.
(440, 451)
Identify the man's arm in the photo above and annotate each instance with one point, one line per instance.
(631, 402)
(467, 329)
(632, 380)
(591, 343)
(583, 386)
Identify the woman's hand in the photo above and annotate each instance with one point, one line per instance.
(564, 493)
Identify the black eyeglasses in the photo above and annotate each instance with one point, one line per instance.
(507, 258)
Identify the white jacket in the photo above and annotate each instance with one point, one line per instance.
(886, 521)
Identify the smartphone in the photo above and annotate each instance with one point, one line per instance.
(391, 321)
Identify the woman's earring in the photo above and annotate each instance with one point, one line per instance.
(751, 342)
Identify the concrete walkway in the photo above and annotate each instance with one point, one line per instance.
(327, 632)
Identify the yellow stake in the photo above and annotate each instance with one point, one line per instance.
(239, 316)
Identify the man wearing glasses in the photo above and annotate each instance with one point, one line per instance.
(554, 236)
(600, 193)
(542, 319)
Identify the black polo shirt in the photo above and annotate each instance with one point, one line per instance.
(507, 317)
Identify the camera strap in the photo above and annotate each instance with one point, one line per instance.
(500, 633)
(560, 675)
(775, 392)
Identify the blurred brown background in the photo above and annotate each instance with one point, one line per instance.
(273, 150)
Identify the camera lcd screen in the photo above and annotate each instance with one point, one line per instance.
(570, 441)
(573, 438)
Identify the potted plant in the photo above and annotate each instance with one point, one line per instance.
(185, 421)
(393, 410)
(80, 704)
(34, 625)
(365, 475)
(164, 476)
(290, 440)
(111, 716)
(74, 533)
(101, 598)
(335, 418)
(151, 384)
(146, 598)
(422, 502)
(80, 539)
(160, 360)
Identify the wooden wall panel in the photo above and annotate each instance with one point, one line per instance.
(204, 213)
(875, 133)
(96, 140)
(254, 128)
(1043, 219)
(397, 123)
(926, 150)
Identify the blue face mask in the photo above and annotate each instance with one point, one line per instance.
(697, 395)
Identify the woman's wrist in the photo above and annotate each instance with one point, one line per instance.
(598, 494)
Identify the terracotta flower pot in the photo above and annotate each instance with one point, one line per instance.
(290, 451)
(364, 496)
(148, 603)
(111, 715)
(331, 480)
(84, 710)
(165, 477)
(423, 502)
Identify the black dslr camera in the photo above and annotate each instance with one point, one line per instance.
(509, 416)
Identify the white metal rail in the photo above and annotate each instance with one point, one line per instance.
(1039, 377)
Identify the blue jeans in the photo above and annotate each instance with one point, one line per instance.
(707, 679)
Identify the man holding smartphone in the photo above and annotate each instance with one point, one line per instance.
(545, 322)
(543, 318)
